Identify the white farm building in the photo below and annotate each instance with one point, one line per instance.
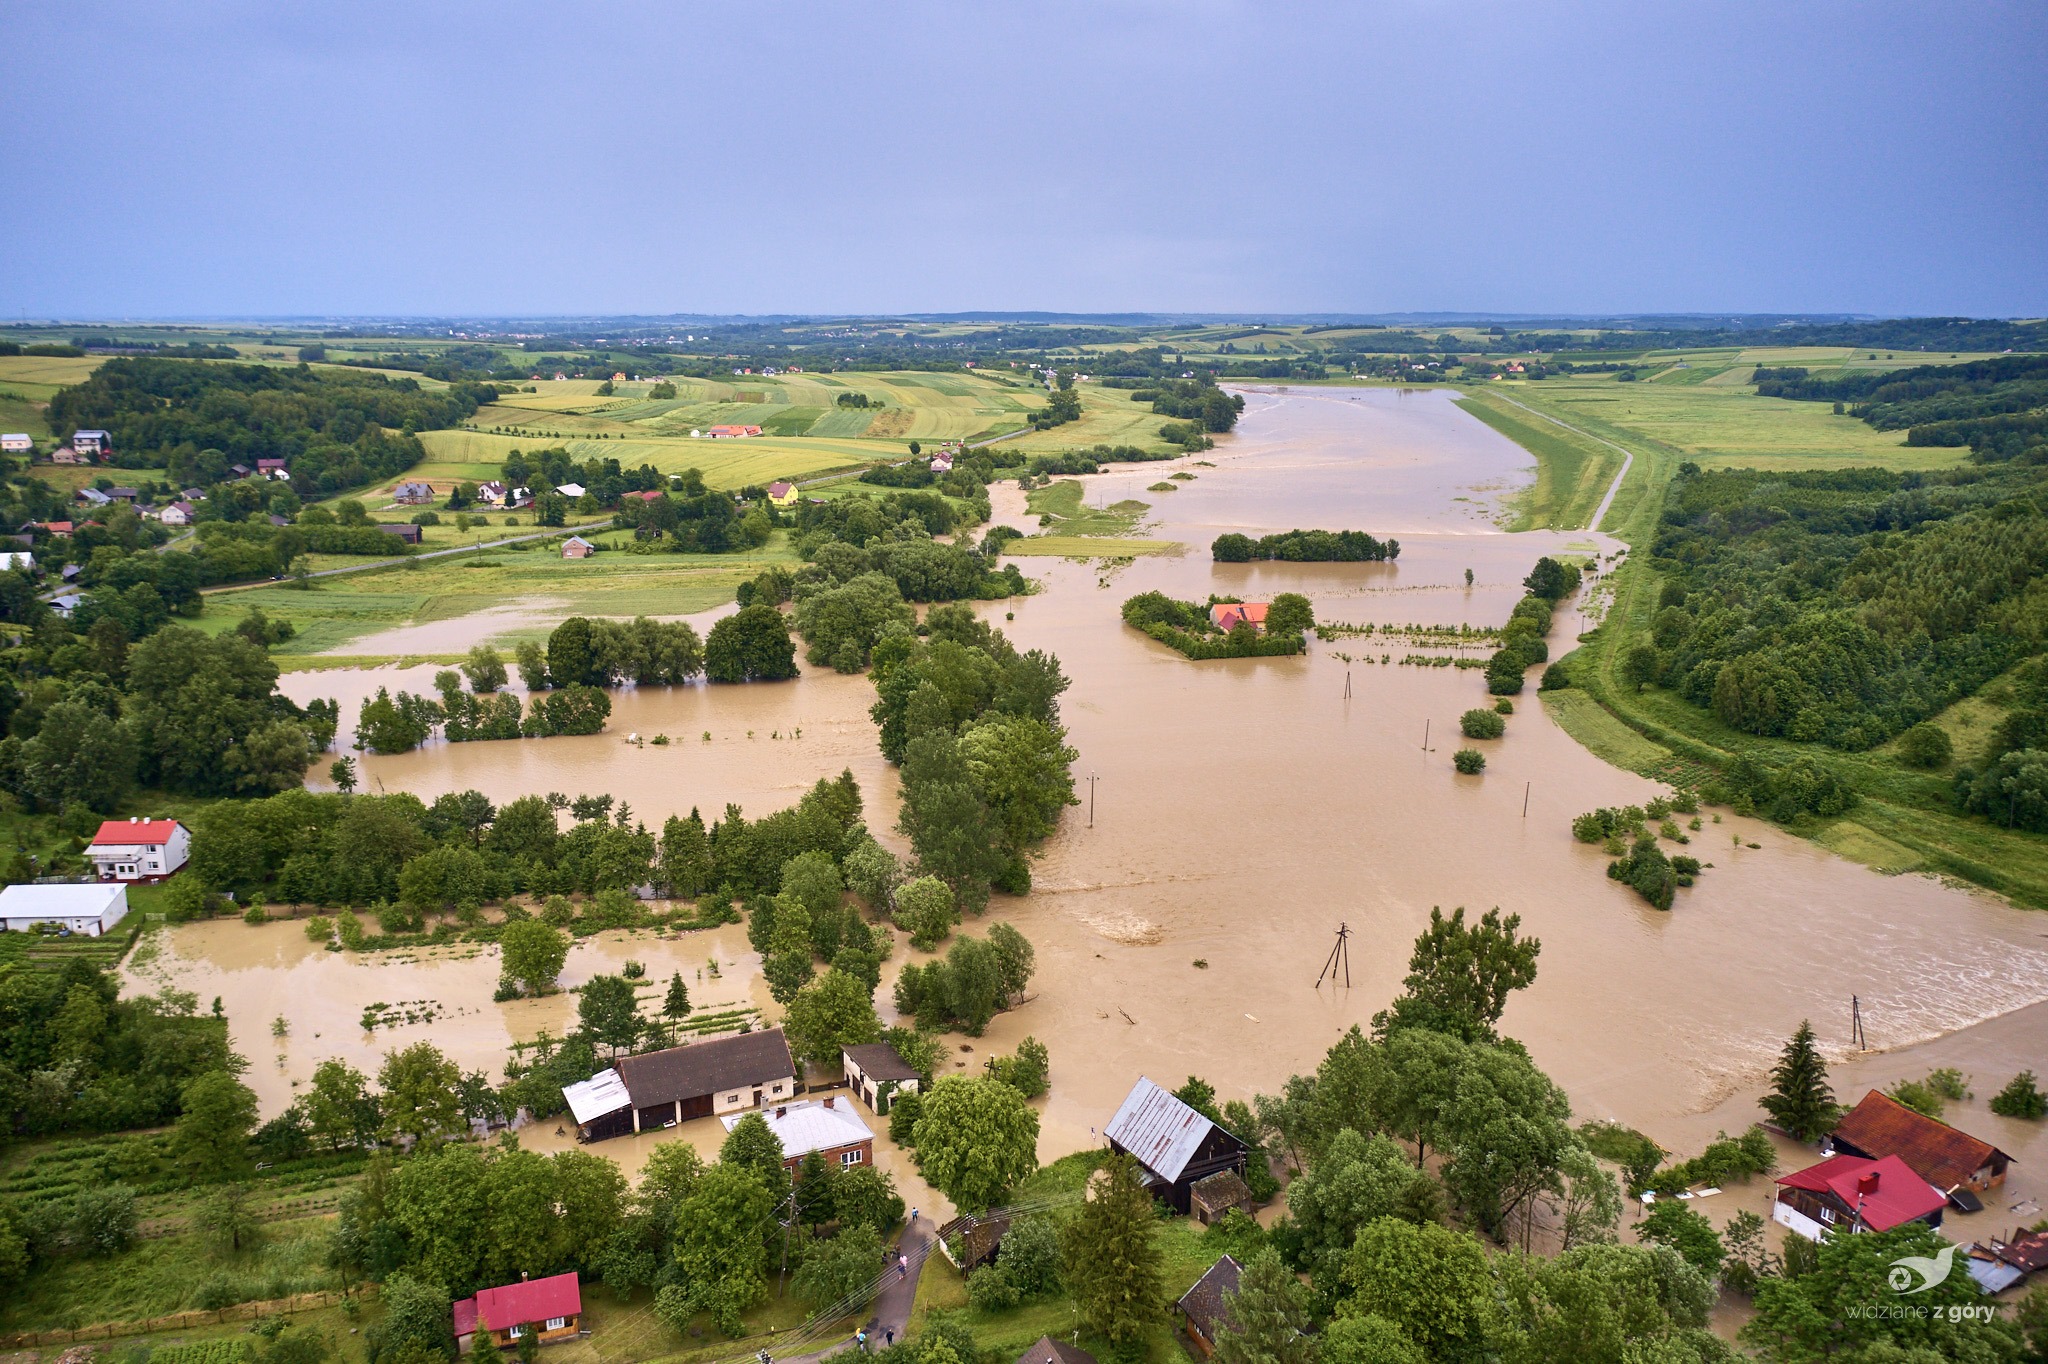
(89, 907)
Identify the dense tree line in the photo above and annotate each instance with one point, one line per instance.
(1305, 546)
(1522, 644)
(1842, 607)
(90, 717)
(1199, 401)
(1997, 407)
(196, 419)
(974, 725)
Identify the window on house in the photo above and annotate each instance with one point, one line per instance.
(732, 1098)
(557, 1323)
(515, 1331)
(849, 1158)
(1827, 1214)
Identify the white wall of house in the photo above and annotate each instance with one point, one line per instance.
(732, 1101)
(1790, 1218)
(139, 861)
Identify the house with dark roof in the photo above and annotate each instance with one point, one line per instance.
(408, 535)
(662, 1088)
(1201, 1308)
(1944, 1156)
(272, 469)
(551, 1309)
(971, 1242)
(1176, 1145)
(412, 493)
(1854, 1194)
(1049, 1351)
(1212, 1197)
(875, 1072)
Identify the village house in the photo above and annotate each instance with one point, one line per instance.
(94, 443)
(273, 469)
(492, 492)
(413, 494)
(552, 1308)
(942, 463)
(18, 559)
(1201, 1308)
(128, 495)
(85, 908)
(782, 494)
(92, 497)
(64, 454)
(17, 443)
(1176, 1145)
(1855, 1193)
(408, 535)
(576, 547)
(240, 470)
(732, 432)
(177, 514)
(827, 1126)
(662, 1088)
(67, 605)
(569, 490)
(139, 849)
(1227, 616)
(1952, 1161)
(1050, 1351)
(876, 1073)
(970, 1242)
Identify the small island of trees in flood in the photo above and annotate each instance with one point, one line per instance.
(1305, 547)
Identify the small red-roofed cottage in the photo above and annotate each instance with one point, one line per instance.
(1853, 1193)
(1227, 616)
(551, 1308)
(139, 849)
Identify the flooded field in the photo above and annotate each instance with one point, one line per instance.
(1243, 811)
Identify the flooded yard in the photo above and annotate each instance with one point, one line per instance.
(1242, 811)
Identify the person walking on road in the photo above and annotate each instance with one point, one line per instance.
(903, 1266)
(860, 1338)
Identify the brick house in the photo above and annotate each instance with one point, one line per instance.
(828, 1126)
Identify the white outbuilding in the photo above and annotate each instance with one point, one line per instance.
(86, 907)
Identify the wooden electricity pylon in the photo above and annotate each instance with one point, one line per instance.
(1856, 1024)
(1340, 951)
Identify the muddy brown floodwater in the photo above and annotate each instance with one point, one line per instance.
(1244, 810)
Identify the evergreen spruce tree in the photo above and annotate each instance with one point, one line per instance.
(484, 1349)
(1111, 1256)
(677, 1007)
(1800, 1100)
(1266, 1319)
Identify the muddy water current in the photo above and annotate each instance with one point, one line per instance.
(1243, 811)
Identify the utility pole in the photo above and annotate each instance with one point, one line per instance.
(1856, 1024)
(1425, 736)
(1091, 800)
(1340, 951)
(1525, 798)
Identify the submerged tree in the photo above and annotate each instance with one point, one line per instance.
(1800, 1100)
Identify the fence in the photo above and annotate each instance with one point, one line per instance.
(180, 1321)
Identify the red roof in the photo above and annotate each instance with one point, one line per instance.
(647, 496)
(1944, 1156)
(1892, 1194)
(122, 832)
(518, 1303)
(1227, 615)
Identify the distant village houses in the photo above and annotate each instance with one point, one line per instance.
(413, 494)
(1227, 616)
(17, 443)
(94, 443)
(576, 547)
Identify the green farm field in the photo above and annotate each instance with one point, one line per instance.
(724, 463)
(534, 586)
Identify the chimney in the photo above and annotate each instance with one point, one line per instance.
(1866, 1183)
(524, 1276)
(828, 1100)
(782, 1112)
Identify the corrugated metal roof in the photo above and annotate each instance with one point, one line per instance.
(602, 1093)
(1160, 1130)
(806, 1127)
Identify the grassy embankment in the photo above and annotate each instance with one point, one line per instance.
(1904, 821)
(1184, 1247)
(1070, 529)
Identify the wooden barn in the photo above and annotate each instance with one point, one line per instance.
(1952, 1160)
(1177, 1146)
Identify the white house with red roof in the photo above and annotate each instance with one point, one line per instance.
(139, 849)
(551, 1308)
(1855, 1193)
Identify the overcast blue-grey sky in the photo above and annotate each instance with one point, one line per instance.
(221, 158)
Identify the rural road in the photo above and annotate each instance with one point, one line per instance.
(891, 1309)
(1627, 456)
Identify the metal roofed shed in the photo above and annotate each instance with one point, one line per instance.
(87, 907)
(1176, 1145)
(601, 1095)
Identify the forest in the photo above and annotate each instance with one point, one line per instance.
(197, 418)
(1999, 407)
(1843, 606)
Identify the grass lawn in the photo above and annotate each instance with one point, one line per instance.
(1073, 530)
(1108, 417)
(724, 463)
(335, 611)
